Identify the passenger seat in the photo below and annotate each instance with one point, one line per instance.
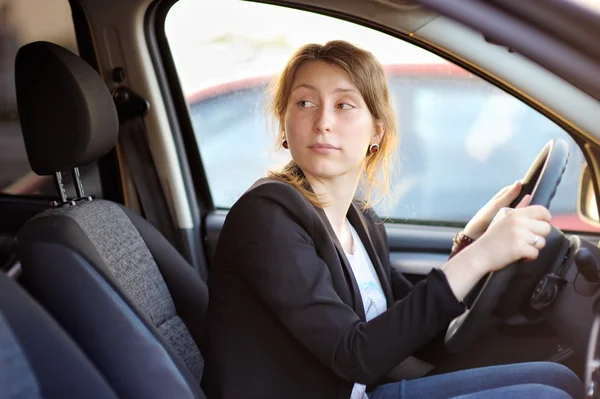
(120, 289)
(37, 359)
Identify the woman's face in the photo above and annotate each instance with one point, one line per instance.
(327, 123)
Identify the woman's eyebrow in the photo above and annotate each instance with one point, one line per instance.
(345, 90)
(337, 90)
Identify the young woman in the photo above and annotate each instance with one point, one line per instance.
(303, 301)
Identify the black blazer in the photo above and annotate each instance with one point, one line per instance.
(285, 316)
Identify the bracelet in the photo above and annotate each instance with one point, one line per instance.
(460, 242)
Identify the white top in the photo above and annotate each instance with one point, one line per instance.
(371, 292)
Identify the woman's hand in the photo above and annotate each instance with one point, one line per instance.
(482, 219)
(519, 234)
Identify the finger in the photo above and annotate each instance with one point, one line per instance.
(531, 253)
(525, 201)
(514, 189)
(503, 191)
(536, 227)
(510, 195)
(537, 212)
(532, 250)
(527, 250)
(508, 189)
(502, 212)
(538, 242)
(535, 240)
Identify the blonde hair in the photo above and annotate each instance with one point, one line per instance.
(367, 75)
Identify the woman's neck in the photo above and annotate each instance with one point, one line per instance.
(337, 194)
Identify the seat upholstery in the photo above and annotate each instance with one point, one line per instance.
(17, 379)
(37, 358)
(128, 298)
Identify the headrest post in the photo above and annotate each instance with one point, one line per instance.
(77, 182)
(60, 186)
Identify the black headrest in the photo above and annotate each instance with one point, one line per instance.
(67, 114)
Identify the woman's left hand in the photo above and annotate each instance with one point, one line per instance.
(482, 219)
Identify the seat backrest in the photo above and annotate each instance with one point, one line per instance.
(128, 298)
(37, 359)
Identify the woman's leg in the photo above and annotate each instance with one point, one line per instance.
(525, 391)
(482, 379)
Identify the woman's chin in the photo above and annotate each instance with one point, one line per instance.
(325, 171)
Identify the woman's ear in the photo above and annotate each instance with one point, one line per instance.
(379, 132)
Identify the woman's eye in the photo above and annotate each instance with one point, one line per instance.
(305, 104)
(344, 106)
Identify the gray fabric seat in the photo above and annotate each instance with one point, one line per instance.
(125, 295)
(32, 345)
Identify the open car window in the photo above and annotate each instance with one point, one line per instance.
(461, 138)
(26, 21)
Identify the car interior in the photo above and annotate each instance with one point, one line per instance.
(111, 202)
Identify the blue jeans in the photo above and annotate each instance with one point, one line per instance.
(521, 380)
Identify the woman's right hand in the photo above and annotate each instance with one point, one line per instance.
(519, 234)
(510, 237)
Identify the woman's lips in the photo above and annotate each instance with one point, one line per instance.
(323, 148)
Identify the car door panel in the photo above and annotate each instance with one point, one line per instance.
(212, 227)
(416, 263)
(415, 250)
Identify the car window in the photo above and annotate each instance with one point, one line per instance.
(25, 21)
(461, 138)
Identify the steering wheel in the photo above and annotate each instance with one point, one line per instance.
(500, 294)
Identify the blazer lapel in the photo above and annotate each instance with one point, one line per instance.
(356, 218)
(356, 297)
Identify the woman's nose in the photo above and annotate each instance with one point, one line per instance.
(323, 119)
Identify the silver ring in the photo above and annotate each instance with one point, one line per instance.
(536, 238)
